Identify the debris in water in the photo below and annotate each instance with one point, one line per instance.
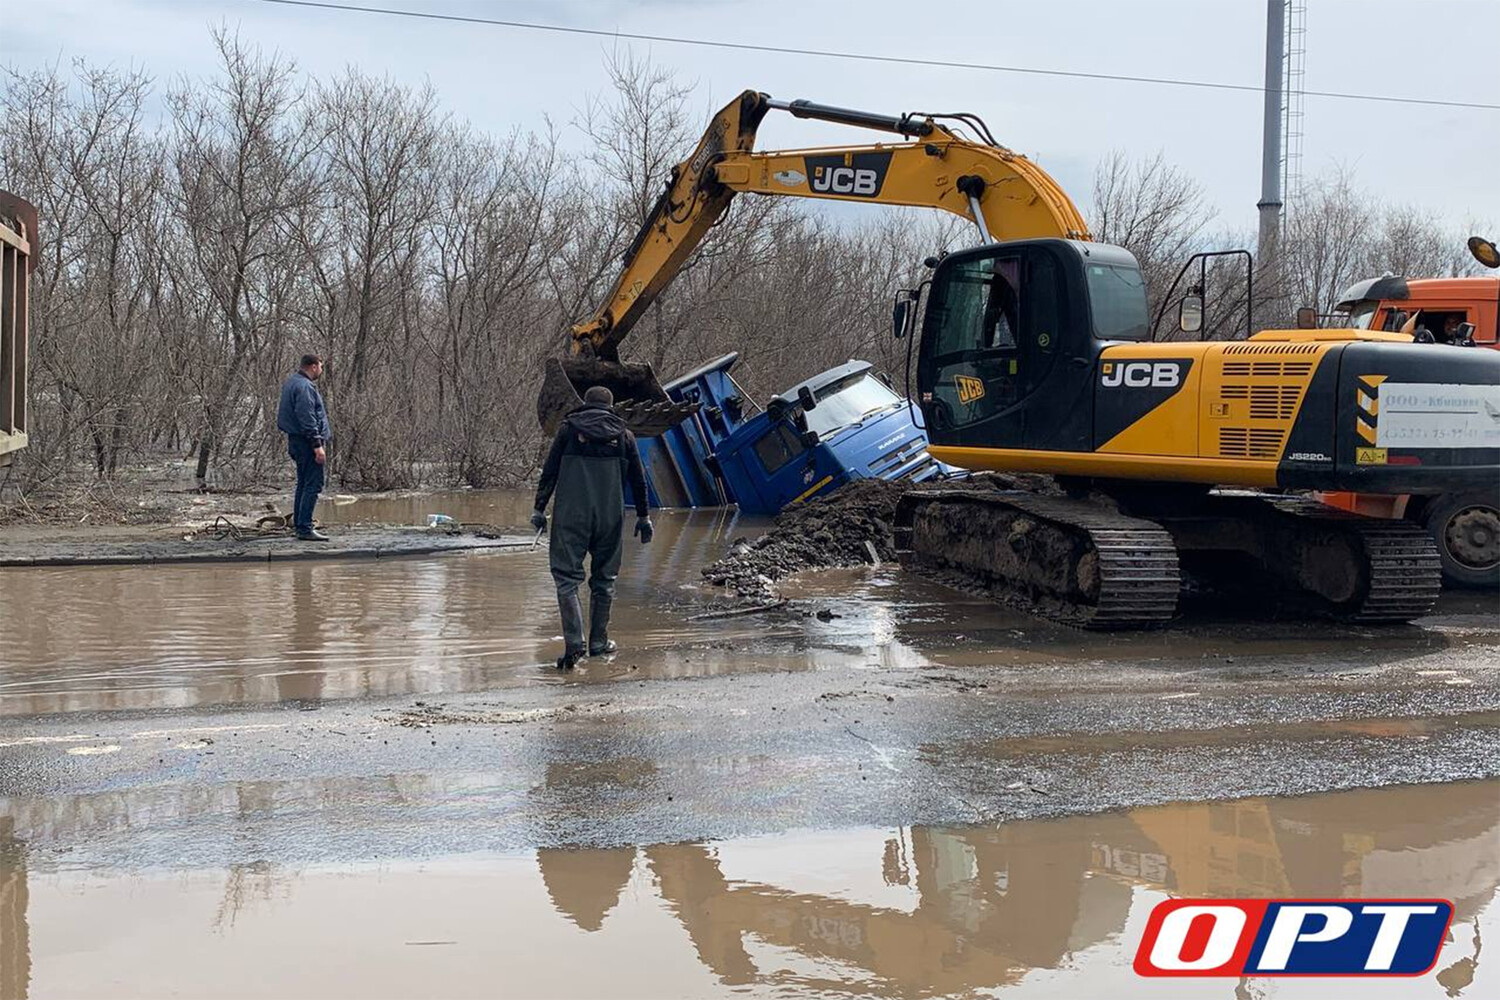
(820, 534)
(737, 612)
(852, 527)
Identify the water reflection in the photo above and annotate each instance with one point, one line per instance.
(585, 885)
(1052, 906)
(169, 636)
(992, 904)
(15, 930)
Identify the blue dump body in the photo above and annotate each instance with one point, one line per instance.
(840, 425)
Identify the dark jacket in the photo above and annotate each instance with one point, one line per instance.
(301, 413)
(594, 431)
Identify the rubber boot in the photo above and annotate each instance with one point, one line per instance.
(599, 641)
(572, 622)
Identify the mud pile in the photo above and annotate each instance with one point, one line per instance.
(852, 527)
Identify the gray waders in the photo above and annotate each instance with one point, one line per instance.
(588, 518)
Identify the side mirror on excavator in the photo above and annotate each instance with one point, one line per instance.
(1190, 314)
(901, 313)
(806, 398)
(1307, 318)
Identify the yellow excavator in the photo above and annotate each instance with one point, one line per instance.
(1034, 354)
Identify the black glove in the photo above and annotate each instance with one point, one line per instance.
(539, 520)
(644, 529)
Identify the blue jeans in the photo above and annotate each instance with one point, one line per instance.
(309, 482)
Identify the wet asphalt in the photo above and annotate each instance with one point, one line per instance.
(1012, 722)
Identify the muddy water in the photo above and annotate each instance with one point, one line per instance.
(137, 637)
(1030, 909)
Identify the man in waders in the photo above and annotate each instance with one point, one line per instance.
(593, 456)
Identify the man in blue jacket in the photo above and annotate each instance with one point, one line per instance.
(304, 420)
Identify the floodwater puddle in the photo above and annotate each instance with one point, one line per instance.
(101, 638)
(1049, 908)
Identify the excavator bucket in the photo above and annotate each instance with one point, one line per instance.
(639, 398)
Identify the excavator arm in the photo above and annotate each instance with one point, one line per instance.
(1006, 196)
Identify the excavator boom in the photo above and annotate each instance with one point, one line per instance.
(1006, 196)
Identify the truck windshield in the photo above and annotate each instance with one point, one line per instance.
(849, 401)
(1117, 297)
(1362, 314)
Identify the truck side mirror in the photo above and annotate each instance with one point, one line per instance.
(1307, 318)
(806, 398)
(1395, 321)
(809, 439)
(1484, 251)
(1464, 335)
(1190, 314)
(776, 409)
(901, 311)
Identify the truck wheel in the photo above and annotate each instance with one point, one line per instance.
(1466, 527)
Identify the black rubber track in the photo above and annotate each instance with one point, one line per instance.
(1402, 572)
(1137, 573)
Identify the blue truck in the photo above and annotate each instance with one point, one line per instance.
(843, 424)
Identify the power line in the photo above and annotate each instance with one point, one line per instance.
(869, 57)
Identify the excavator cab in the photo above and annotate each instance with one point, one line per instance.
(1010, 339)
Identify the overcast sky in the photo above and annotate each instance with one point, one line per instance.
(1441, 158)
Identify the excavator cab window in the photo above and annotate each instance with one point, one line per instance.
(1117, 295)
(990, 335)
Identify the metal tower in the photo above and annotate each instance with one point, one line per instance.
(1291, 129)
(1272, 129)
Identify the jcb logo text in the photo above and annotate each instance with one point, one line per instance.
(845, 180)
(1141, 374)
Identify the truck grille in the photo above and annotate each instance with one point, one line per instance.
(912, 451)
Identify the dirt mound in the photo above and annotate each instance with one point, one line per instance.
(851, 527)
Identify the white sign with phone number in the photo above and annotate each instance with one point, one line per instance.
(1438, 415)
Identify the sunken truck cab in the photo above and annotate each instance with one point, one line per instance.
(843, 424)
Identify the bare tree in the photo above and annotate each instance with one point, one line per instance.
(243, 155)
(1152, 209)
(184, 267)
(378, 150)
(94, 170)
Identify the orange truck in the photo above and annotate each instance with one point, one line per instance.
(1463, 312)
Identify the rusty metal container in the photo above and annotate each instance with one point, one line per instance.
(17, 244)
